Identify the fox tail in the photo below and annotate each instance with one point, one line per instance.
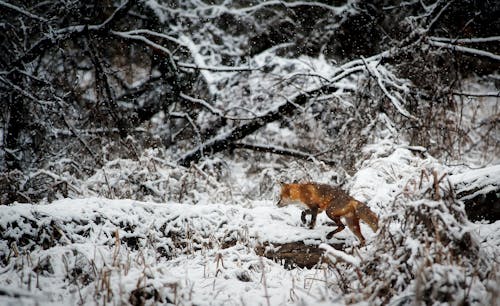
(366, 214)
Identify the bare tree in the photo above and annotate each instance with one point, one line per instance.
(86, 83)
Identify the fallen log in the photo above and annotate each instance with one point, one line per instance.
(294, 254)
(479, 189)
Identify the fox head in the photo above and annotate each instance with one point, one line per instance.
(287, 195)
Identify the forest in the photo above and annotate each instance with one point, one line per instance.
(145, 145)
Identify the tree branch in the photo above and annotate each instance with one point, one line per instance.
(149, 43)
(480, 95)
(280, 151)
(227, 139)
(473, 40)
(463, 49)
(21, 11)
(102, 82)
(224, 141)
(217, 68)
(49, 41)
(203, 103)
(373, 71)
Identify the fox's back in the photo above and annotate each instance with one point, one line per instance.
(314, 195)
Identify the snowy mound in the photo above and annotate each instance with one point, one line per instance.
(66, 251)
(101, 251)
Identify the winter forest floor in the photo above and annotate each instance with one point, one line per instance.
(143, 144)
(100, 251)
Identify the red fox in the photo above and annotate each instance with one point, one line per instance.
(337, 203)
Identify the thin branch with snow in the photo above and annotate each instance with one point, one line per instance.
(294, 4)
(190, 120)
(463, 49)
(439, 14)
(473, 40)
(22, 11)
(222, 142)
(372, 69)
(152, 33)
(477, 94)
(203, 103)
(219, 68)
(281, 151)
(335, 255)
(49, 41)
(149, 43)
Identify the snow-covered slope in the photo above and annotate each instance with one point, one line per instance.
(197, 253)
(100, 251)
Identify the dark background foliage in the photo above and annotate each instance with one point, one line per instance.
(79, 88)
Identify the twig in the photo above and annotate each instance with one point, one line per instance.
(24, 92)
(203, 103)
(472, 40)
(75, 133)
(293, 4)
(217, 68)
(190, 120)
(264, 281)
(463, 49)
(435, 19)
(280, 151)
(49, 41)
(110, 99)
(223, 142)
(152, 33)
(148, 43)
(373, 71)
(21, 11)
(479, 95)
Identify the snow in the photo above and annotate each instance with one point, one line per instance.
(192, 271)
(264, 221)
(474, 182)
(334, 254)
(94, 250)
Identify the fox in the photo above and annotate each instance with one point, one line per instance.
(336, 202)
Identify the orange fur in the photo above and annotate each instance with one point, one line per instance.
(335, 201)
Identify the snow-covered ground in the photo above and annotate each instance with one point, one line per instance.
(200, 266)
(101, 251)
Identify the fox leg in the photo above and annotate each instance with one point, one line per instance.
(340, 227)
(313, 212)
(304, 214)
(353, 224)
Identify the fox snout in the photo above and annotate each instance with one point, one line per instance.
(280, 203)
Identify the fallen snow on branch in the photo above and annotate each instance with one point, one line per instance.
(463, 49)
(470, 184)
(334, 254)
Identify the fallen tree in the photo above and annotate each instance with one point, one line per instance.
(479, 189)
